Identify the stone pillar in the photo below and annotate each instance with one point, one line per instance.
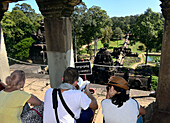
(162, 114)
(58, 36)
(4, 66)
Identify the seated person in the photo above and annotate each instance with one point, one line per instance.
(118, 107)
(2, 85)
(76, 100)
(13, 98)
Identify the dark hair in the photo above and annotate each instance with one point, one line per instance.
(119, 99)
(70, 75)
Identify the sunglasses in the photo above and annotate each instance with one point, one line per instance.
(108, 87)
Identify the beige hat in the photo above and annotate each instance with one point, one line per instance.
(119, 82)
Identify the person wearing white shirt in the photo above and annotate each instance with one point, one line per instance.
(118, 107)
(75, 99)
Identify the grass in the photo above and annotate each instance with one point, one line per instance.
(135, 48)
(118, 43)
(129, 61)
(112, 44)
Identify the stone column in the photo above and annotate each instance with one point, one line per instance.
(4, 66)
(58, 36)
(162, 114)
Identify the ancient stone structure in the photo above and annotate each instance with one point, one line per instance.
(4, 66)
(58, 36)
(162, 114)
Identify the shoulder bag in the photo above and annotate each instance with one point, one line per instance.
(55, 104)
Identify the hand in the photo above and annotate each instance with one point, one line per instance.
(87, 88)
(111, 92)
(111, 78)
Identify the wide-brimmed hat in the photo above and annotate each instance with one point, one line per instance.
(119, 82)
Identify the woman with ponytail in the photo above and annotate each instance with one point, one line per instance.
(13, 98)
(118, 107)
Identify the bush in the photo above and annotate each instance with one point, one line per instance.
(106, 45)
(155, 70)
(23, 48)
(141, 47)
(154, 82)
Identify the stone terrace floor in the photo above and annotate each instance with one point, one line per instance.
(37, 84)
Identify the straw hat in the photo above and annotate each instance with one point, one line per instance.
(119, 82)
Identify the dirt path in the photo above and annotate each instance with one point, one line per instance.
(84, 46)
(142, 61)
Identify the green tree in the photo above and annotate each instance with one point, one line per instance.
(22, 48)
(78, 22)
(124, 23)
(16, 27)
(97, 19)
(149, 29)
(106, 34)
(77, 26)
(30, 13)
(117, 33)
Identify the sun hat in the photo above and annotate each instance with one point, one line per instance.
(119, 82)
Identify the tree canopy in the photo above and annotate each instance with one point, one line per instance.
(148, 29)
(89, 24)
(18, 28)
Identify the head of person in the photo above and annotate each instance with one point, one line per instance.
(120, 85)
(16, 79)
(71, 76)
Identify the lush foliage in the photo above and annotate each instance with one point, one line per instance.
(22, 48)
(122, 25)
(89, 25)
(154, 82)
(18, 26)
(149, 29)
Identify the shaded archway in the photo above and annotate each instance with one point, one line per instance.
(59, 45)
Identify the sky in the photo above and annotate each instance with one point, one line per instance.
(114, 8)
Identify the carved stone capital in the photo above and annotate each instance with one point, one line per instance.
(57, 8)
(165, 8)
(4, 6)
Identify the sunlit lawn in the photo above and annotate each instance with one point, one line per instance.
(135, 48)
(113, 44)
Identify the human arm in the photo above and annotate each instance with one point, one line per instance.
(34, 100)
(93, 104)
(141, 111)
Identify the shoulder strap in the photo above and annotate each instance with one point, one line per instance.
(139, 118)
(65, 105)
(55, 103)
(137, 104)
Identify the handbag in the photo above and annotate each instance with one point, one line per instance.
(32, 115)
(140, 119)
